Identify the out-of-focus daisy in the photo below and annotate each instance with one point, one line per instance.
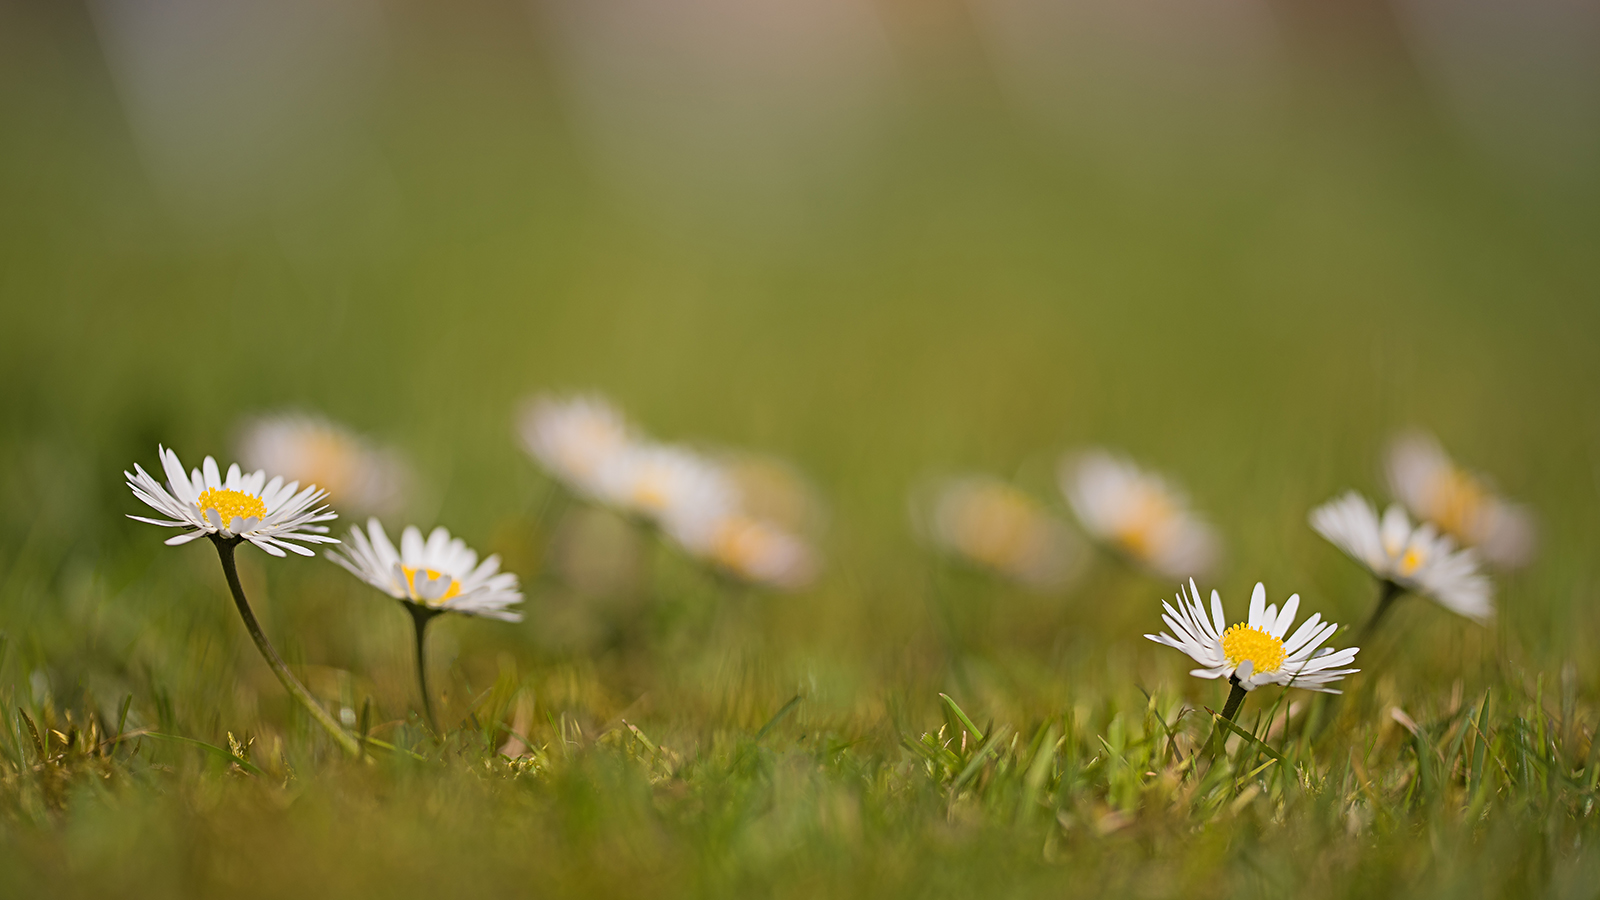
(1405, 558)
(658, 481)
(772, 490)
(988, 522)
(1459, 502)
(268, 514)
(1255, 652)
(699, 504)
(356, 474)
(574, 438)
(237, 508)
(430, 577)
(1139, 514)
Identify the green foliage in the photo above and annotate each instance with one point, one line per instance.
(987, 295)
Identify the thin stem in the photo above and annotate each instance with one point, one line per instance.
(1389, 592)
(1235, 700)
(274, 661)
(420, 617)
(1229, 710)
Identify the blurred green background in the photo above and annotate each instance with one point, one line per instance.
(877, 239)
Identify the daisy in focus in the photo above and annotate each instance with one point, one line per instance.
(230, 510)
(269, 514)
(1254, 652)
(430, 577)
(574, 439)
(1404, 557)
(1459, 502)
(1139, 514)
(356, 473)
(985, 521)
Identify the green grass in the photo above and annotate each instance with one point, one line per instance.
(988, 295)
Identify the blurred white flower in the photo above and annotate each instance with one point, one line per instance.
(699, 504)
(357, 474)
(268, 514)
(575, 439)
(1255, 653)
(988, 522)
(1140, 514)
(441, 574)
(1434, 488)
(663, 481)
(1417, 559)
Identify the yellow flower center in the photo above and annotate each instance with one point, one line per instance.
(330, 461)
(1148, 513)
(651, 492)
(429, 575)
(231, 503)
(740, 543)
(1458, 502)
(996, 527)
(1412, 560)
(1242, 642)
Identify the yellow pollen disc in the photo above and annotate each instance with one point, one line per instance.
(429, 575)
(1411, 561)
(231, 503)
(1150, 511)
(1459, 500)
(740, 543)
(995, 527)
(651, 493)
(1242, 642)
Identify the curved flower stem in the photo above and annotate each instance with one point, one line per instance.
(1229, 710)
(420, 617)
(291, 684)
(1388, 593)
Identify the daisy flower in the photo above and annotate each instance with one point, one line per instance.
(354, 472)
(1459, 502)
(700, 506)
(658, 481)
(268, 514)
(430, 577)
(574, 438)
(1405, 558)
(1254, 652)
(229, 510)
(1139, 514)
(440, 574)
(990, 523)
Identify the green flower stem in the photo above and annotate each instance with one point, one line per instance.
(1230, 709)
(420, 617)
(1235, 700)
(291, 684)
(1389, 592)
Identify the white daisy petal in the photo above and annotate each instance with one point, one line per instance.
(1139, 514)
(440, 574)
(1254, 653)
(1418, 559)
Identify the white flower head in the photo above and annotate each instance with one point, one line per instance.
(661, 482)
(1255, 652)
(698, 503)
(1459, 502)
(356, 473)
(986, 521)
(1140, 514)
(270, 514)
(574, 438)
(441, 573)
(1418, 558)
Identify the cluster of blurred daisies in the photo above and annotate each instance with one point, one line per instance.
(754, 519)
